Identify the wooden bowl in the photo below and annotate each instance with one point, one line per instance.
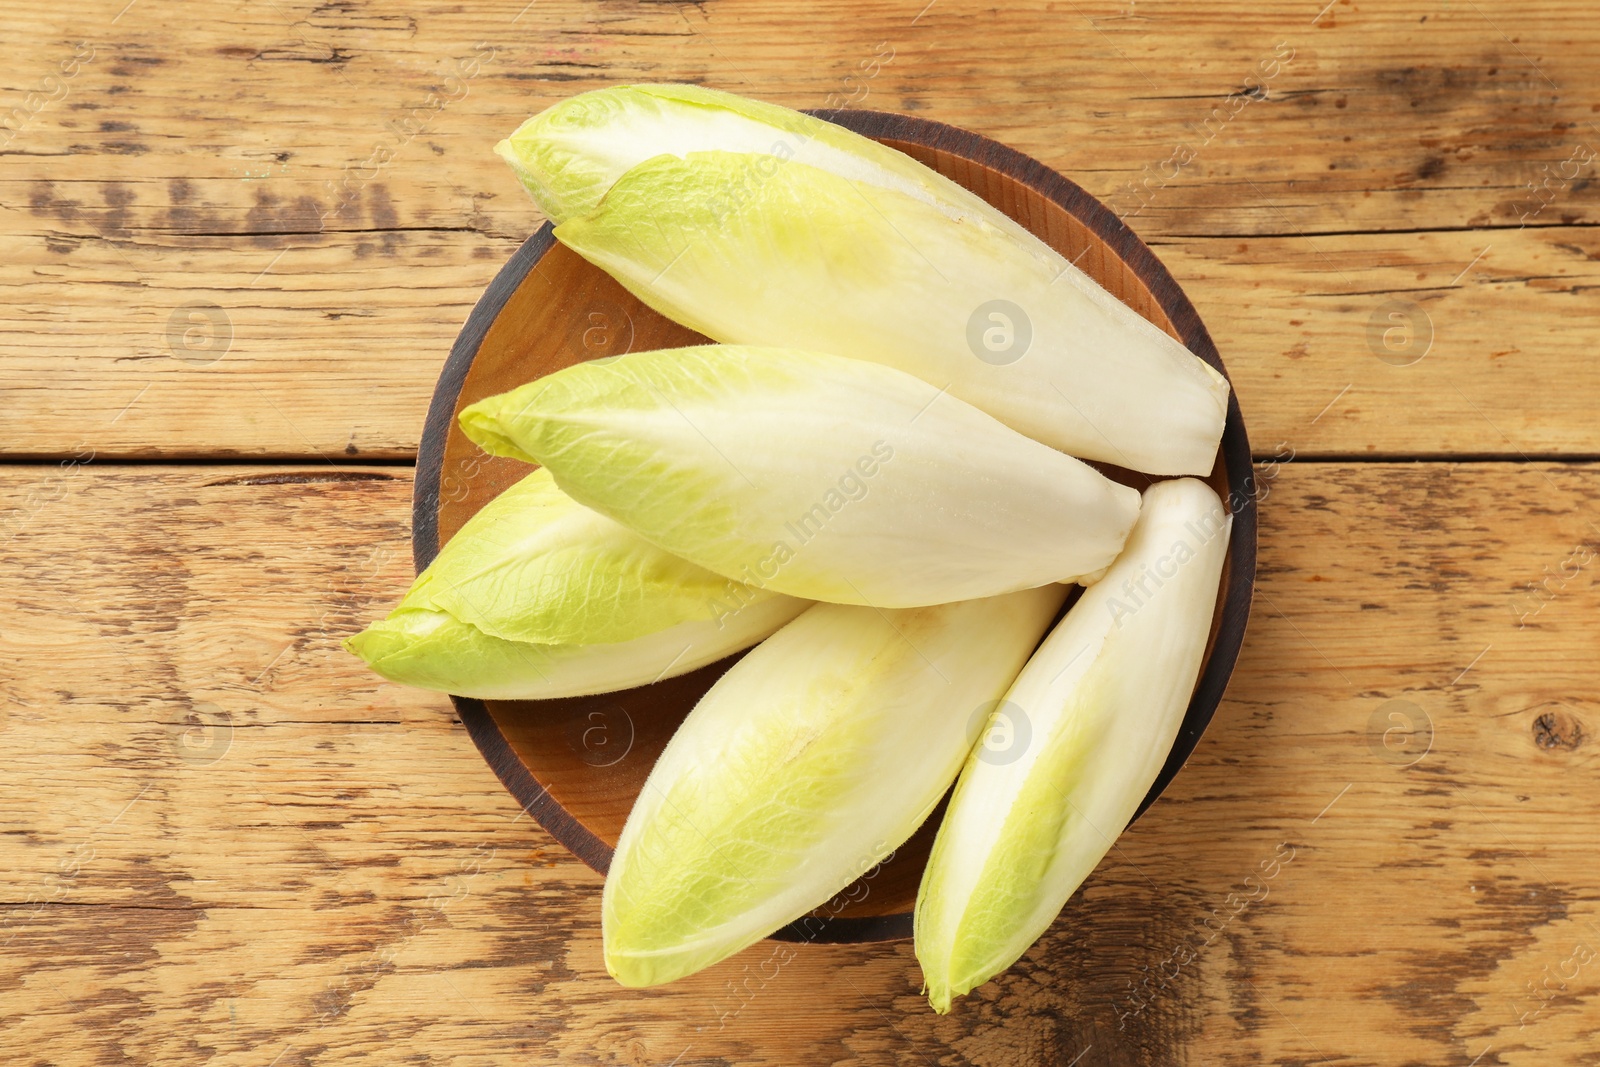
(576, 765)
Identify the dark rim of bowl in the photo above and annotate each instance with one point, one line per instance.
(1122, 241)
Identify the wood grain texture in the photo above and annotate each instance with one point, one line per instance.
(274, 196)
(226, 842)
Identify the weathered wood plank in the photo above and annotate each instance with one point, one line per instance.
(273, 197)
(1420, 344)
(339, 361)
(338, 876)
(1402, 116)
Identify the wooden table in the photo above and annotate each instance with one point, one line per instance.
(239, 240)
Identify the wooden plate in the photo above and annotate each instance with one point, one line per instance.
(576, 765)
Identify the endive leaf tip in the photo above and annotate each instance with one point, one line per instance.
(482, 424)
(374, 643)
(938, 994)
(504, 150)
(622, 974)
(641, 970)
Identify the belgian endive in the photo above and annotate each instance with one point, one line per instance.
(537, 596)
(758, 225)
(810, 760)
(813, 475)
(1103, 698)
